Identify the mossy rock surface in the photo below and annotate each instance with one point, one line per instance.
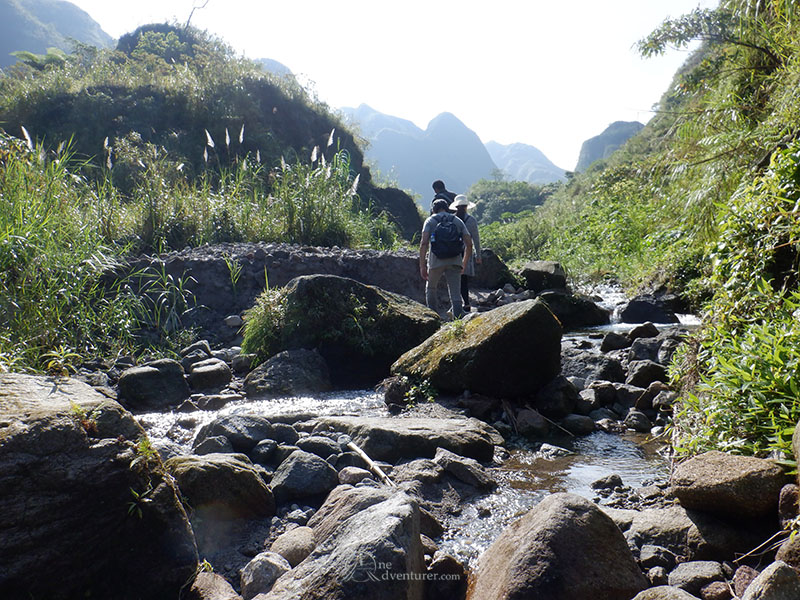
(360, 330)
(509, 352)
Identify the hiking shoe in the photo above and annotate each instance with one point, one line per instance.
(467, 308)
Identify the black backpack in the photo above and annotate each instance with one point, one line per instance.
(446, 239)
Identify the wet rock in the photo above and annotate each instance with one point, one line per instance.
(557, 399)
(664, 401)
(422, 470)
(209, 374)
(590, 366)
(68, 463)
(564, 548)
(211, 586)
(243, 431)
(644, 349)
(155, 386)
(693, 575)
(191, 359)
(467, 470)
(281, 453)
(549, 451)
(263, 451)
(574, 311)
(283, 433)
(391, 439)
(261, 573)
(450, 579)
(222, 487)
(641, 373)
(578, 424)
(214, 445)
(540, 275)
(603, 414)
(646, 308)
(242, 363)
(302, 475)
(505, 342)
(778, 581)
(645, 330)
(201, 346)
(587, 402)
(614, 341)
(320, 445)
(628, 396)
(608, 482)
(638, 421)
(217, 401)
(295, 545)
(289, 373)
(532, 424)
(379, 546)
(736, 486)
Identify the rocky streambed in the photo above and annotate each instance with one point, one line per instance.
(547, 479)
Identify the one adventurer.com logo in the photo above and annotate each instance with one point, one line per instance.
(365, 569)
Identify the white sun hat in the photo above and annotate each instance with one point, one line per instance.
(461, 200)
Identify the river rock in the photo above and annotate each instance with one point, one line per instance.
(694, 575)
(210, 586)
(260, 574)
(641, 373)
(778, 581)
(742, 578)
(644, 348)
(736, 486)
(216, 444)
(375, 553)
(223, 487)
(509, 352)
(664, 592)
(492, 273)
(301, 475)
(638, 421)
(646, 308)
(318, 444)
(392, 439)
(565, 548)
(590, 366)
(614, 341)
(353, 475)
(341, 504)
(540, 275)
(295, 545)
(557, 399)
(575, 311)
(243, 431)
(466, 470)
(532, 424)
(578, 424)
(209, 374)
(360, 330)
(82, 511)
(155, 386)
(645, 330)
(289, 373)
(656, 556)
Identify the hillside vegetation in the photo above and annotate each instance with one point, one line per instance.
(167, 142)
(705, 200)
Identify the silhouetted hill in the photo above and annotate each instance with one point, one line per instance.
(446, 150)
(35, 25)
(604, 145)
(522, 162)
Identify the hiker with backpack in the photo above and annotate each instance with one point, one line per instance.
(440, 191)
(460, 205)
(445, 249)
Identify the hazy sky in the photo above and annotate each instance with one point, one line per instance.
(550, 74)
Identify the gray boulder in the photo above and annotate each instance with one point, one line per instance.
(259, 575)
(575, 311)
(578, 424)
(341, 504)
(590, 366)
(301, 475)
(392, 439)
(155, 386)
(557, 399)
(540, 275)
(641, 373)
(83, 510)
(242, 431)
(375, 553)
(646, 308)
(211, 373)
(510, 351)
(735, 486)
(289, 373)
(466, 470)
(211, 586)
(614, 341)
(644, 348)
(295, 545)
(222, 487)
(693, 575)
(319, 445)
(532, 424)
(492, 273)
(778, 581)
(565, 548)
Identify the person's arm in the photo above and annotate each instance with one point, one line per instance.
(476, 238)
(467, 250)
(423, 254)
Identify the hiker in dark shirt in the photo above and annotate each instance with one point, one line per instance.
(441, 192)
(460, 205)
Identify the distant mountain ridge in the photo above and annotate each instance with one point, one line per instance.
(446, 150)
(35, 25)
(605, 144)
(522, 162)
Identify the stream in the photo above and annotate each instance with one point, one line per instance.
(524, 477)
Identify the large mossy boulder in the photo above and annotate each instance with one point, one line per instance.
(360, 330)
(512, 351)
(86, 509)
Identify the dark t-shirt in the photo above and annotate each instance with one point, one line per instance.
(445, 195)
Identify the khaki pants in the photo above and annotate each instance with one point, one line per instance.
(452, 275)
